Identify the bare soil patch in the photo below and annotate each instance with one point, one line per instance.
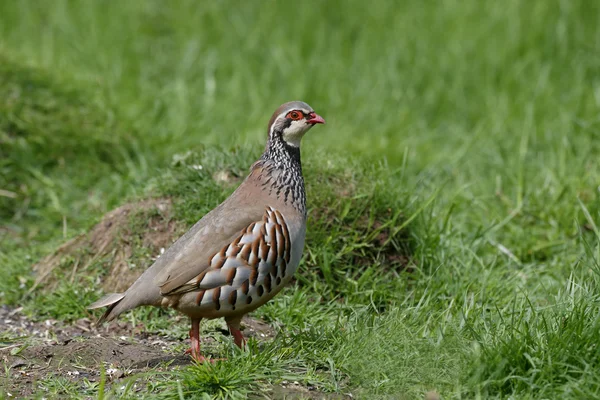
(33, 352)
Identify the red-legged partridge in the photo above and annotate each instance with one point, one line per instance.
(242, 253)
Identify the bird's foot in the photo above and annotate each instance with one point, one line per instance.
(199, 358)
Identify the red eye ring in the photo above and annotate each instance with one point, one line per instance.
(295, 115)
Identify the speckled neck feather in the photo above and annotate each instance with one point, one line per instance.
(281, 172)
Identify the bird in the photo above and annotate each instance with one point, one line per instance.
(242, 253)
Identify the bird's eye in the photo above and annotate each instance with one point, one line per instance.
(295, 115)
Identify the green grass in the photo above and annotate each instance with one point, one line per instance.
(461, 136)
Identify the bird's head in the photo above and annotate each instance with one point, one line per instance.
(291, 121)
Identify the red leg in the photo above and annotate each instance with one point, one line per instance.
(234, 329)
(238, 338)
(195, 339)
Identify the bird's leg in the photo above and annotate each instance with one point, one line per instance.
(234, 328)
(238, 337)
(195, 339)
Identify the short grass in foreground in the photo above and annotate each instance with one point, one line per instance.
(486, 116)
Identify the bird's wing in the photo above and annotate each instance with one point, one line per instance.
(262, 248)
(191, 255)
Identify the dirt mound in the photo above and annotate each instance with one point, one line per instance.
(142, 229)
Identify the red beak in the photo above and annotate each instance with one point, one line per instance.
(315, 119)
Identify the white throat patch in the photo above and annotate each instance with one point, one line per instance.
(294, 133)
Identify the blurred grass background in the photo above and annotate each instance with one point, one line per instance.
(480, 119)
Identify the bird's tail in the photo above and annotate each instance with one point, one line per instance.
(112, 300)
(141, 293)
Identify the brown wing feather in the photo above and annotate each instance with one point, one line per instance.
(189, 255)
(255, 268)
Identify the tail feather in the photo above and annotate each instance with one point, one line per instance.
(141, 293)
(111, 300)
(107, 300)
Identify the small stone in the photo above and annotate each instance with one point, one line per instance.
(20, 362)
(432, 395)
